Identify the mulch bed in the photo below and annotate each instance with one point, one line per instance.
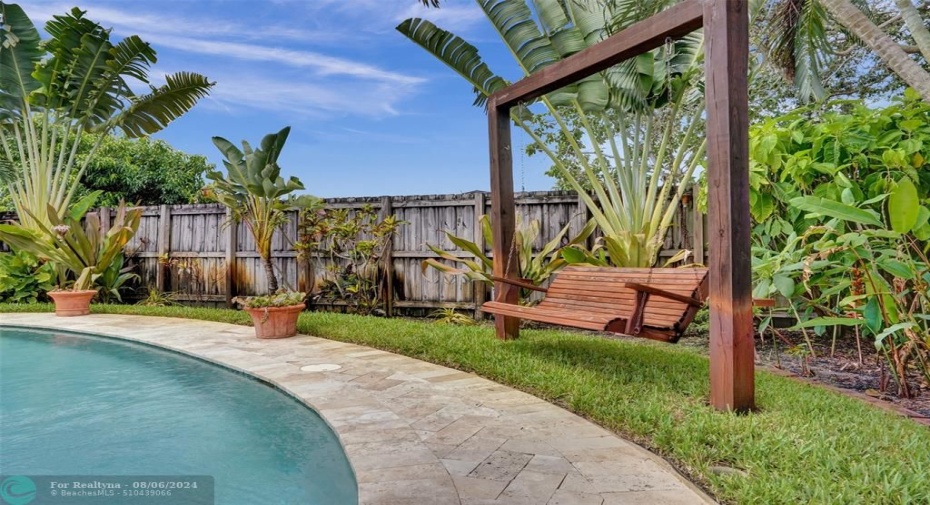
(837, 365)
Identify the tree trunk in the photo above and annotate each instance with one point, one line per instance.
(916, 26)
(848, 15)
(269, 274)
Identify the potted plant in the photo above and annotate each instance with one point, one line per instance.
(254, 191)
(274, 316)
(81, 251)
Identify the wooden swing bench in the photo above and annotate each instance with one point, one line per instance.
(655, 303)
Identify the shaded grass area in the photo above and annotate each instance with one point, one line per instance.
(804, 445)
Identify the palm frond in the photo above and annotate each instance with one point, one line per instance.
(456, 53)
(78, 51)
(19, 53)
(132, 57)
(517, 27)
(794, 40)
(152, 112)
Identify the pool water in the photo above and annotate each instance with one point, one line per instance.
(73, 404)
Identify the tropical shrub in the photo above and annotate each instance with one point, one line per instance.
(279, 299)
(535, 267)
(352, 246)
(24, 278)
(450, 316)
(53, 91)
(840, 201)
(116, 278)
(142, 172)
(156, 298)
(80, 247)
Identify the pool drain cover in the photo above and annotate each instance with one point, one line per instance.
(320, 368)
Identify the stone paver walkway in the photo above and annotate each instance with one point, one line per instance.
(418, 433)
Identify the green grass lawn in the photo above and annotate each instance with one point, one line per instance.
(804, 445)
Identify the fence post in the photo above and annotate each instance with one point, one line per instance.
(104, 213)
(305, 282)
(698, 232)
(231, 236)
(585, 213)
(480, 288)
(387, 209)
(164, 247)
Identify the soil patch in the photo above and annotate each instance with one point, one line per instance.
(843, 364)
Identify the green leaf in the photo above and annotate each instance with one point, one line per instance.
(465, 245)
(880, 338)
(762, 206)
(574, 255)
(872, 314)
(903, 206)
(923, 216)
(784, 285)
(896, 268)
(831, 208)
(829, 321)
(910, 124)
(848, 197)
(923, 232)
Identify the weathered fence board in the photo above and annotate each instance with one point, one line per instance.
(187, 249)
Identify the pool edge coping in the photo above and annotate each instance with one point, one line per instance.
(304, 399)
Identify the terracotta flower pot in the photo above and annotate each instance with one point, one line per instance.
(275, 322)
(72, 303)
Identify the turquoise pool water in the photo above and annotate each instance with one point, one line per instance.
(73, 404)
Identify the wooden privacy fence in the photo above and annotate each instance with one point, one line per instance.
(187, 249)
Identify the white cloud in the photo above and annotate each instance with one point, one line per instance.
(455, 18)
(291, 80)
(314, 100)
(322, 64)
(127, 23)
(383, 15)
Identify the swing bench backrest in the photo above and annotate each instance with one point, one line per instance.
(656, 303)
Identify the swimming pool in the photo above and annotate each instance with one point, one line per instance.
(73, 404)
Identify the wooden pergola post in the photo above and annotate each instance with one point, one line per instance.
(732, 351)
(503, 216)
(726, 28)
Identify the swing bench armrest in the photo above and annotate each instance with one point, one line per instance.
(519, 283)
(664, 294)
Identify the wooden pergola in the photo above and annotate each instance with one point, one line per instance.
(726, 34)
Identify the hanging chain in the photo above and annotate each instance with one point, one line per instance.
(513, 248)
(513, 240)
(523, 163)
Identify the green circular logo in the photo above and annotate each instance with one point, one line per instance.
(17, 490)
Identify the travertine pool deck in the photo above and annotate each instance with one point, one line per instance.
(418, 433)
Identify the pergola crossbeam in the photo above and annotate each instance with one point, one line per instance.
(646, 35)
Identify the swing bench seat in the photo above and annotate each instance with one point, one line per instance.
(655, 303)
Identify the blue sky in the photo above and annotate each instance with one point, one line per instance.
(370, 112)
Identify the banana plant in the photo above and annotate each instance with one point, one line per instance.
(253, 190)
(54, 90)
(77, 243)
(535, 268)
(630, 114)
